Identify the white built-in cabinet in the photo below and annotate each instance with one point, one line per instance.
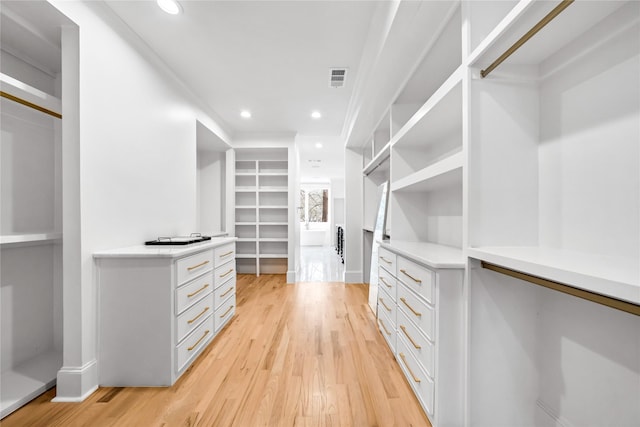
(262, 209)
(526, 180)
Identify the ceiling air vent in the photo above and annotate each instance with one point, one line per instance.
(337, 77)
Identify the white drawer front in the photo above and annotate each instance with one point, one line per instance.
(193, 266)
(387, 260)
(421, 348)
(193, 291)
(225, 312)
(191, 318)
(418, 311)
(224, 273)
(422, 385)
(224, 292)
(194, 343)
(387, 282)
(387, 306)
(420, 279)
(388, 332)
(224, 254)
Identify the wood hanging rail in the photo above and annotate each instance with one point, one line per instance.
(570, 290)
(544, 21)
(30, 104)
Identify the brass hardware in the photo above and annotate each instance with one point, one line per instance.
(226, 312)
(30, 104)
(403, 271)
(416, 379)
(227, 273)
(566, 289)
(410, 339)
(517, 45)
(198, 265)
(227, 254)
(198, 342)
(385, 260)
(410, 308)
(385, 305)
(198, 291)
(227, 291)
(384, 327)
(385, 282)
(196, 318)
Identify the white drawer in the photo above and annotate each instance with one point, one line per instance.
(223, 292)
(193, 291)
(422, 385)
(421, 348)
(224, 254)
(387, 282)
(418, 311)
(225, 312)
(194, 343)
(224, 273)
(193, 266)
(420, 279)
(387, 306)
(191, 318)
(387, 260)
(388, 332)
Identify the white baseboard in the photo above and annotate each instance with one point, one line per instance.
(353, 276)
(75, 384)
(291, 276)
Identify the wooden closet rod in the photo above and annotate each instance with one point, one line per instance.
(544, 21)
(30, 104)
(565, 289)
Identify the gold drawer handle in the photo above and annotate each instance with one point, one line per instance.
(384, 327)
(227, 273)
(410, 276)
(196, 318)
(227, 291)
(198, 342)
(385, 305)
(226, 312)
(410, 339)
(385, 282)
(416, 379)
(410, 308)
(385, 260)
(227, 254)
(198, 265)
(198, 291)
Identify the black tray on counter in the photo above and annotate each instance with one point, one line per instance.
(177, 241)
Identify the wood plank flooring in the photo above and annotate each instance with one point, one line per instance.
(307, 354)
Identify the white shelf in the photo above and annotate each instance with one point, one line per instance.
(273, 256)
(274, 223)
(274, 239)
(273, 189)
(245, 207)
(30, 238)
(273, 207)
(246, 239)
(28, 93)
(445, 173)
(28, 380)
(246, 223)
(611, 276)
(246, 256)
(378, 160)
(274, 173)
(245, 189)
(429, 254)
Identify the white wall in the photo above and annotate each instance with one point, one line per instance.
(210, 188)
(133, 166)
(353, 216)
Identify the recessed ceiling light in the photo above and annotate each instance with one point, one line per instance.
(316, 114)
(318, 144)
(245, 114)
(172, 7)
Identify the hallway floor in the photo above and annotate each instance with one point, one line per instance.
(320, 264)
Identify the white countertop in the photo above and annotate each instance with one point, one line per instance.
(429, 254)
(143, 251)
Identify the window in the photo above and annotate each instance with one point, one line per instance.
(314, 205)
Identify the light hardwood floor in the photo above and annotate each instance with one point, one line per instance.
(294, 355)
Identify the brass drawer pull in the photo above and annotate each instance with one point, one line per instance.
(198, 316)
(198, 291)
(410, 339)
(226, 312)
(227, 254)
(385, 305)
(227, 273)
(198, 265)
(416, 379)
(410, 276)
(227, 291)
(410, 308)
(384, 327)
(198, 342)
(385, 260)
(385, 282)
